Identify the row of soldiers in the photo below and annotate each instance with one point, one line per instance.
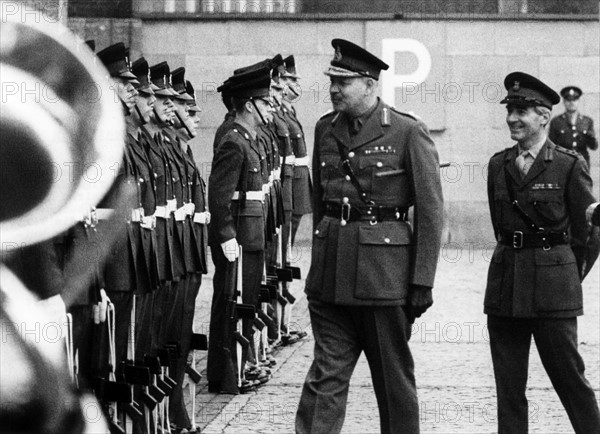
(132, 328)
(259, 188)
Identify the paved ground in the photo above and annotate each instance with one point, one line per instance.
(453, 364)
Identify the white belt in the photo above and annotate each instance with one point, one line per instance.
(162, 212)
(271, 177)
(137, 214)
(190, 208)
(202, 217)
(250, 195)
(172, 205)
(266, 188)
(302, 161)
(289, 160)
(277, 173)
(180, 214)
(148, 222)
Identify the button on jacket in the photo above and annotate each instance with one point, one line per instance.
(373, 264)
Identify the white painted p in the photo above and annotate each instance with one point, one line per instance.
(390, 81)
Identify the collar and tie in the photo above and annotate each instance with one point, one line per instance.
(524, 162)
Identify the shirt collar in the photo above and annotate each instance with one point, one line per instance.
(535, 149)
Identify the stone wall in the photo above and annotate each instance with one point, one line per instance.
(457, 93)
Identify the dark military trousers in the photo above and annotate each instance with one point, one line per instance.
(341, 334)
(177, 410)
(222, 361)
(556, 341)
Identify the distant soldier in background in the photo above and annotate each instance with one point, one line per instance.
(572, 130)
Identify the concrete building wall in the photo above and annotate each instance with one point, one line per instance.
(457, 95)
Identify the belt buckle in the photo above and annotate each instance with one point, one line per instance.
(517, 240)
(346, 207)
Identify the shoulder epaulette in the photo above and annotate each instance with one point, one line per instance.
(244, 135)
(407, 114)
(327, 113)
(502, 151)
(570, 152)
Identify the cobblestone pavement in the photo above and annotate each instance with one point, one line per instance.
(452, 358)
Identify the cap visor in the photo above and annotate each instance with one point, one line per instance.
(164, 92)
(336, 71)
(128, 75)
(194, 108)
(184, 97)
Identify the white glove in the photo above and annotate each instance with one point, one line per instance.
(100, 308)
(231, 249)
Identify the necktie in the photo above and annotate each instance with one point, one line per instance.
(524, 162)
(355, 126)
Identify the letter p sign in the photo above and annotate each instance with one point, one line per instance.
(390, 81)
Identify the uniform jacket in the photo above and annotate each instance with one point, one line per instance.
(533, 282)
(301, 186)
(578, 136)
(238, 165)
(360, 263)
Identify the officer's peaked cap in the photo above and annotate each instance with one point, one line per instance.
(571, 92)
(160, 75)
(526, 90)
(115, 59)
(350, 60)
(178, 79)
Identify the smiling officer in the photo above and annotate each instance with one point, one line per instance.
(538, 194)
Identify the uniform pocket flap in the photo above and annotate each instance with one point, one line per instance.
(385, 233)
(557, 255)
(380, 161)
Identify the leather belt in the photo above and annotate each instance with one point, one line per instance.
(520, 240)
(250, 195)
(373, 214)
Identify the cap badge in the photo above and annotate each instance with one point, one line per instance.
(571, 92)
(517, 86)
(337, 56)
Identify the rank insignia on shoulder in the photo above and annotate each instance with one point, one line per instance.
(385, 117)
(545, 187)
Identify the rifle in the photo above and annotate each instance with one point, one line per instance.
(198, 342)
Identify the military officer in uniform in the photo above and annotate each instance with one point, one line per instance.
(235, 192)
(371, 269)
(538, 194)
(572, 130)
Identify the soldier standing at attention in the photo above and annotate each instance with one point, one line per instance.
(235, 192)
(538, 194)
(302, 186)
(572, 130)
(371, 272)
